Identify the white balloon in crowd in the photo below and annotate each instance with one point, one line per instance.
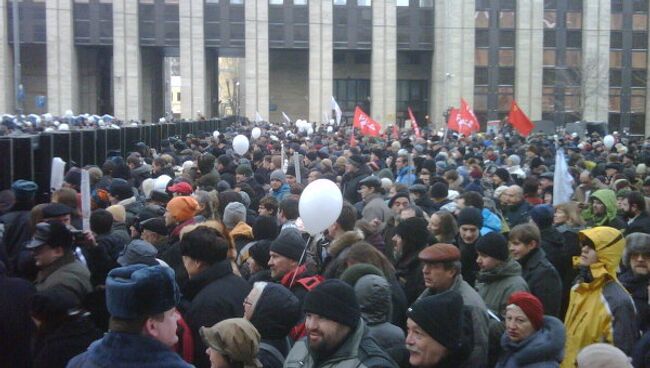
(320, 205)
(68, 114)
(256, 133)
(216, 134)
(609, 141)
(161, 183)
(240, 144)
(330, 129)
(64, 126)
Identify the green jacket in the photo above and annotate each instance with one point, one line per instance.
(68, 273)
(496, 285)
(358, 351)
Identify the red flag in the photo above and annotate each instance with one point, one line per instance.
(414, 123)
(463, 120)
(519, 120)
(365, 123)
(395, 131)
(353, 139)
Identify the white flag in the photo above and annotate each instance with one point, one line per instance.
(85, 200)
(57, 173)
(562, 180)
(258, 117)
(286, 117)
(337, 110)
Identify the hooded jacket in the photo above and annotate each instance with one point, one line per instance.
(496, 285)
(491, 222)
(610, 218)
(338, 250)
(600, 310)
(283, 192)
(376, 208)
(542, 349)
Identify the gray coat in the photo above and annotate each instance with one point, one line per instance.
(543, 349)
(473, 302)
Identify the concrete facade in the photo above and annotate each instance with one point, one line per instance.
(452, 74)
(6, 65)
(62, 63)
(127, 61)
(321, 68)
(194, 79)
(529, 56)
(383, 70)
(256, 70)
(595, 59)
(289, 91)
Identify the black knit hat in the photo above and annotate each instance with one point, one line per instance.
(398, 195)
(494, 245)
(441, 317)
(289, 244)
(260, 253)
(439, 190)
(334, 300)
(413, 231)
(503, 174)
(470, 216)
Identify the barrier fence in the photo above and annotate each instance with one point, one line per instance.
(29, 157)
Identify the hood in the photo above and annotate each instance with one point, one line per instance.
(545, 345)
(276, 312)
(345, 241)
(491, 222)
(508, 269)
(609, 244)
(608, 197)
(374, 297)
(241, 230)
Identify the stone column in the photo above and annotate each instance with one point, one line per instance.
(127, 61)
(529, 54)
(596, 15)
(452, 75)
(6, 65)
(193, 66)
(62, 63)
(321, 55)
(383, 62)
(256, 73)
(647, 93)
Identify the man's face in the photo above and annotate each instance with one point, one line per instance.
(313, 176)
(639, 263)
(423, 349)
(280, 265)
(156, 168)
(436, 276)
(400, 163)
(407, 213)
(610, 172)
(469, 233)
(585, 179)
(262, 211)
(434, 224)
(45, 255)
(425, 176)
(399, 204)
(276, 184)
(519, 249)
(165, 330)
(497, 180)
(323, 335)
(629, 211)
(365, 191)
(240, 178)
(545, 183)
(598, 208)
(65, 219)
(291, 180)
(486, 263)
(149, 236)
(250, 302)
(512, 197)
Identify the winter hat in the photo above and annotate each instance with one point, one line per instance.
(24, 189)
(503, 174)
(356, 160)
(53, 303)
(602, 355)
(636, 243)
(183, 208)
(289, 244)
(155, 225)
(439, 190)
(138, 291)
(182, 188)
(413, 231)
(245, 170)
(260, 252)
(222, 186)
(396, 196)
(235, 338)
(118, 211)
(353, 273)
(470, 216)
(441, 317)
(73, 177)
(542, 215)
(234, 213)
(138, 251)
(120, 189)
(278, 175)
(276, 312)
(334, 300)
(530, 305)
(514, 159)
(494, 245)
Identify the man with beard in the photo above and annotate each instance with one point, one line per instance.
(516, 212)
(636, 259)
(336, 334)
(634, 209)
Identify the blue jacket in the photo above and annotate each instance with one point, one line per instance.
(125, 350)
(491, 222)
(282, 193)
(543, 349)
(404, 176)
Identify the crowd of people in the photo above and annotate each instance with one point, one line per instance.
(447, 252)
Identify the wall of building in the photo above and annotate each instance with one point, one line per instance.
(288, 86)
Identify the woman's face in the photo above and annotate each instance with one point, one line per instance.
(560, 217)
(434, 224)
(518, 326)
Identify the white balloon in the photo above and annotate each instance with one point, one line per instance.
(256, 133)
(330, 129)
(310, 131)
(49, 129)
(216, 134)
(609, 141)
(68, 113)
(320, 205)
(64, 126)
(240, 144)
(161, 183)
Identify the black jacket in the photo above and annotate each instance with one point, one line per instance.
(641, 224)
(543, 280)
(350, 184)
(637, 286)
(16, 326)
(517, 214)
(468, 255)
(559, 255)
(17, 232)
(55, 348)
(212, 296)
(408, 272)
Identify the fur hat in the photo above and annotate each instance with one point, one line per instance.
(636, 243)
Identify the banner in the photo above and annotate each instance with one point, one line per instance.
(519, 120)
(463, 120)
(286, 117)
(57, 174)
(365, 124)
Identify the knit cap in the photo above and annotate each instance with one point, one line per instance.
(441, 317)
(530, 305)
(602, 355)
(439, 190)
(234, 213)
(24, 189)
(470, 216)
(334, 300)
(494, 245)
(278, 175)
(542, 215)
(289, 244)
(183, 208)
(120, 189)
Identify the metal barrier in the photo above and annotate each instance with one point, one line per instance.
(29, 157)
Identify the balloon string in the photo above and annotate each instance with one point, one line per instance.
(302, 258)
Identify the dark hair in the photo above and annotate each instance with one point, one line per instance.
(101, 221)
(525, 233)
(224, 160)
(204, 244)
(473, 199)
(363, 252)
(636, 198)
(530, 186)
(289, 208)
(270, 203)
(134, 159)
(348, 217)
(265, 227)
(60, 236)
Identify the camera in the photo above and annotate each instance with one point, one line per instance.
(78, 235)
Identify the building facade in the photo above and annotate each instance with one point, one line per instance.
(561, 60)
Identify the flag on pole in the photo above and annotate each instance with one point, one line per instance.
(562, 180)
(337, 110)
(519, 120)
(286, 117)
(463, 120)
(258, 117)
(414, 123)
(366, 125)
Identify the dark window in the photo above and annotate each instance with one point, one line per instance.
(507, 38)
(549, 77)
(640, 40)
(549, 38)
(615, 78)
(574, 39)
(482, 38)
(616, 40)
(481, 76)
(506, 76)
(639, 78)
(362, 58)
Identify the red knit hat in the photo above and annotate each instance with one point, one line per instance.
(531, 306)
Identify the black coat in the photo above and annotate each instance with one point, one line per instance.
(55, 348)
(543, 280)
(350, 184)
(641, 224)
(559, 255)
(408, 272)
(468, 255)
(16, 326)
(637, 286)
(212, 296)
(517, 214)
(17, 232)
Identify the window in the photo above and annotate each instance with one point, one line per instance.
(299, 2)
(402, 3)
(276, 2)
(426, 3)
(340, 2)
(237, 2)
(364, 2)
